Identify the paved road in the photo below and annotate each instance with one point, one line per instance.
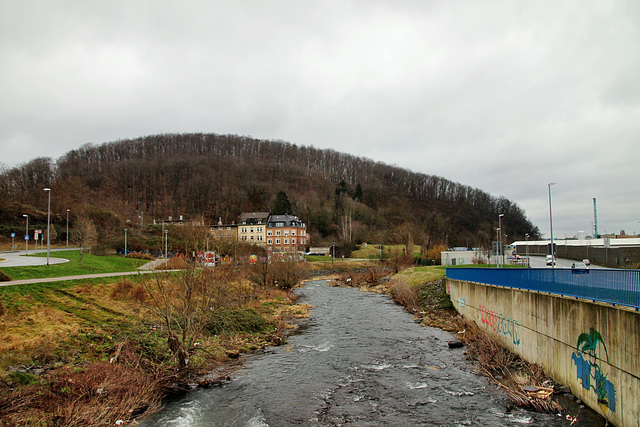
(83, 276)
(540, 262)
(18, 258)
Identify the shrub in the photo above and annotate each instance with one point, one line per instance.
(138, 255)
(406, 296)
(173, 264)
(236, 320)
(4, 277)
(22, 378)
(122, 289)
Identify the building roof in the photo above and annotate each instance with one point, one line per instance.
(258, 215)
(287, 220)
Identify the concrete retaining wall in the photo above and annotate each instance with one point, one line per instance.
(593, 348)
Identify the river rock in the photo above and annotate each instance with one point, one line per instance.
(455, 344)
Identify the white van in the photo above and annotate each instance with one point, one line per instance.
(550, 260)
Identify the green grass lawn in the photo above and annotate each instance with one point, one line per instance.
(318, 258)
(91, 264)
(419, 275)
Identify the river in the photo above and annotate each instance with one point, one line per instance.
(359, 360)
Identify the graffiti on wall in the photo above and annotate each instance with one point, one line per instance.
(501, 324)
(588, 371)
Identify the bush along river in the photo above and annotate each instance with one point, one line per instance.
(359, 360)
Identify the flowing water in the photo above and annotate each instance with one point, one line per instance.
(360, 360)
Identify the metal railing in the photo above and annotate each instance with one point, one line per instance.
(620, 287)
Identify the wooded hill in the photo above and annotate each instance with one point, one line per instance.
(209, 177)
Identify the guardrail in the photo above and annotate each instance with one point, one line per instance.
(620, 287)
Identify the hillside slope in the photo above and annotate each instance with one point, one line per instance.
(211, 177)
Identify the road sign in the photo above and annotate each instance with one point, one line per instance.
(13, 235)
(26, 237)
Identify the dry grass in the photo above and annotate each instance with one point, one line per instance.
(99, 394)
(405, 295)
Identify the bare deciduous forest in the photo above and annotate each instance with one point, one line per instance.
(210, 177)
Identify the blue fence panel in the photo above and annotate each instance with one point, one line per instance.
(606, 285)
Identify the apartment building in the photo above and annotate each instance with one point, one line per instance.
(224, 231)
(286, 233)
(252, 227)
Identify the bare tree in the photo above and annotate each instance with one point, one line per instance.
(84, 234)
(185, 304)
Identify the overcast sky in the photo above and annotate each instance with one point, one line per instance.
(506, 96)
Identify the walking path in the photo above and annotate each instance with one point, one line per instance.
(17, 259)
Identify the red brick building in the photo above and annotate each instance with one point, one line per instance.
(286, 233)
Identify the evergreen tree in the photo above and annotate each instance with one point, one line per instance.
(358, 195)
(281, 204)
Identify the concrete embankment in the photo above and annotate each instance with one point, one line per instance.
(592, 347)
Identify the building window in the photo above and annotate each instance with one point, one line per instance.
(269, 233)
(293, 241)
(286, 232)
(286, 241)
(277, 241)
(293, 232)
(277, 232)
(269, 241)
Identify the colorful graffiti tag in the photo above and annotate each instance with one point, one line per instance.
(587, 370)
(501, 324)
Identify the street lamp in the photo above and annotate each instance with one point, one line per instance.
(553, 254)
(526, 239)
(497, 246)
(500, 238)
(26, 234)
(125, 242)
(68, 227)
(48, 190)
(166, 242)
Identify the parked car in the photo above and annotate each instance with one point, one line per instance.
(580, 265)
(550, 260)
(586, 262)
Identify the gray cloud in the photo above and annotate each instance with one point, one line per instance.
(504, 96)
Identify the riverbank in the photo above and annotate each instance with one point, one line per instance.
(95, 352)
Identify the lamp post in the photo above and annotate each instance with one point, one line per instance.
(125, 242)
(68, 227)
(166, 242)
(500, 238)
(526, 239)
(48, 190)
(553, 254)
(26, 234)
(497, 246)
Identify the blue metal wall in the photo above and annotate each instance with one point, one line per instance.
(613, 286)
